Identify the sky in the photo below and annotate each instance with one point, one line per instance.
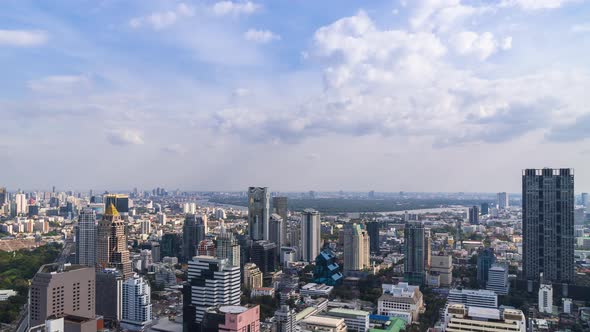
(296, 95)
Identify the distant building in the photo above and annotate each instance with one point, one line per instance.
(546, 298)
(227, 246)
(356, 320)
(498, 279)
(86, 238)
(285, 319)
(503, 200)
(280, 206)
(474, 215)
(402, 301)
(315, 290)
(193, 232)
(119, 201)
(6, 293)
(258, 213)
(485, 208)
(262, 291)
(252, 276)
(231, 318)
(373, 231)
(485, 259)
(111, 242)
(321, 323)
(458, 317)
(275, 231)
(417, 253)
(137, 305)
(473, 298)
(356, 248)
(310, 235)
(206, 248)
(327, 270)
(109, 299)
(442, 266)
(170, 245)
(264, 255)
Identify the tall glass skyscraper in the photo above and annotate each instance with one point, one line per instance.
(258, 213)
(548, 224)
(417, 253)
(310, 235)
(86, 238)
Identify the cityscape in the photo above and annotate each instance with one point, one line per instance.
(294, 166)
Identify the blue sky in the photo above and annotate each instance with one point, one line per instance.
(422, 95)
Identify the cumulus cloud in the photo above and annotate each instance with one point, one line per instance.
(223, 8)
(23, 38)
(480, 45)
(261, 36)
(536, 4)
(164, 19)
(574, 131)
(125, 137)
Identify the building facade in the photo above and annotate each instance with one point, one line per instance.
(356, 248)
(137, 305)
(310, 235)
(252, 276)
(458, 317)
(227, 247)
(111, 243)
(86, 238)
(442, 265)
(417, 253)
(373, 231)
(473, 298)
(258, 213)
(498, 279)
(280, 206)
(402, 301)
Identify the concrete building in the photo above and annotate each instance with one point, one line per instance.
(356, 248)
(485, 259)
(417, 253)
(356, 320)
(58, 290)
(193, 232)
(258, 213)
(498, 279)
(275, 231)
(109, 294)
(310, 235)
(227, 247)
(548, 224)
(137, 305)
(442, 265)
(252, 276)
(374, 241)
(86, 238)
(323, 324)
(546, 298)
(285, 319)
(458, 317)
(402, 300)
(280, 207)
(503, 200)
(316, 290)
(473, 298)
(120, 201)
(234, 318)
(264, 255)
(212, 282)
(111, 242)
(474, 215)
(6, 293)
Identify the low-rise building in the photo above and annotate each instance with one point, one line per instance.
(442, 266)
(313, 289)
(323, 324)
(262, 291)
(6, 293)
(356, 320)
(458, 317)
(402, 300)
(471, 297)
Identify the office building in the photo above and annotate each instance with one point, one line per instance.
(473, 298)
(59, 290)
(356, 320)
(264, 255)
(120, 201)
(137, 305)
(233, 318)
(485, 259)
(322, 323)
(252, 276)
(280, 207)
(546, 298)
(503, 200)
(109, 297)
(86, 238)
(498, 279)
(258, 213)
(458, 317)
(310, 235)
(170, 245)
(3, 196)
(417, 253)
(548, 224)
(111, 242)
(145, 227)
(442, 266)
(285, 319)
(485, 209)
(212, 282)
(206, 248)
(474, 215)
(193, 232)
(356, 248)
(585, 201)
(275, 231)
(21, 204)
(373, 231)
(327, 270)
(227, 247)
(402, 301)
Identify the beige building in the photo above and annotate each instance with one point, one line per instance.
(321, 323)
(111, 243)
(402, 301)
(356, 248)
(252, 276)
(443, 267)
(459, 318)
(61, 290)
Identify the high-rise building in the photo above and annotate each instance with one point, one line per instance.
(2, 196)
(498, 279)
(146, 227)
(120, 201)
(548, 224)
(212, 282)
(264, 255)
(227, 247)
(546, 298)
(285, 319)
(109, 299)
(327, 271)
(474, 215)
(111, 242)
(193, 232)
(458, 317)
(373, 231)
(59, 290)
(258, 213)
(231, 319)
(485, 209)
(310, 235)
(585, 201)
(280, 207)
(275, 232)
(417, 253)
(21, 203)
(442, 266)
(356, 248)
(503, 200)
(86, 238)
(252, 276)
(137, 305)
(206, 248)
(485, 259)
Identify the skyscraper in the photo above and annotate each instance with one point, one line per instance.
(474, 215)
(485, 209)
(264, 255)
(356, 248)
(417, 253)
(498, 279)
(280, 207)
(120, 201)
(485, 259)
(111, 242)
(21, 203)
(2, 196)
(212, 282)
(548, 224)
(503, 200)
(258, 213)
(585, 201)
(275, 233)
(285, 319)
(227, 247)
(193, 232)
(310, 235)
(170, 245)
(373, 230)
(137, 305)
(109, 300)
(86, 238)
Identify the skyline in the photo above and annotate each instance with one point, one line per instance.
(447, 95)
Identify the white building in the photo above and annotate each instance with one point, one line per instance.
(503, 201)
(443, 267)
(546, 298)
(213, 282)
(161, 218)
(321, 323)
(21, 203)
(402, 300)
(189, 208)
(460, 318)
(146, 227)
(137, 306)
(310, 235)
(6, 293)
(312, 289)
(473, 298)
(262, 291)
(356, 320)
(498, 279)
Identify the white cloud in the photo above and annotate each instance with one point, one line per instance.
(261, 36)
(164, 19)
(59, 84)
(235, 8)
(23, 38)
(481, 46)
(442, 15)
(125, 137)
(174, 149)
(536, 4)
(585, 27)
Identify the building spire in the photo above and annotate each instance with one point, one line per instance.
(111, 210)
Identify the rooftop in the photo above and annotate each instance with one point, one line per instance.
(324, 321)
